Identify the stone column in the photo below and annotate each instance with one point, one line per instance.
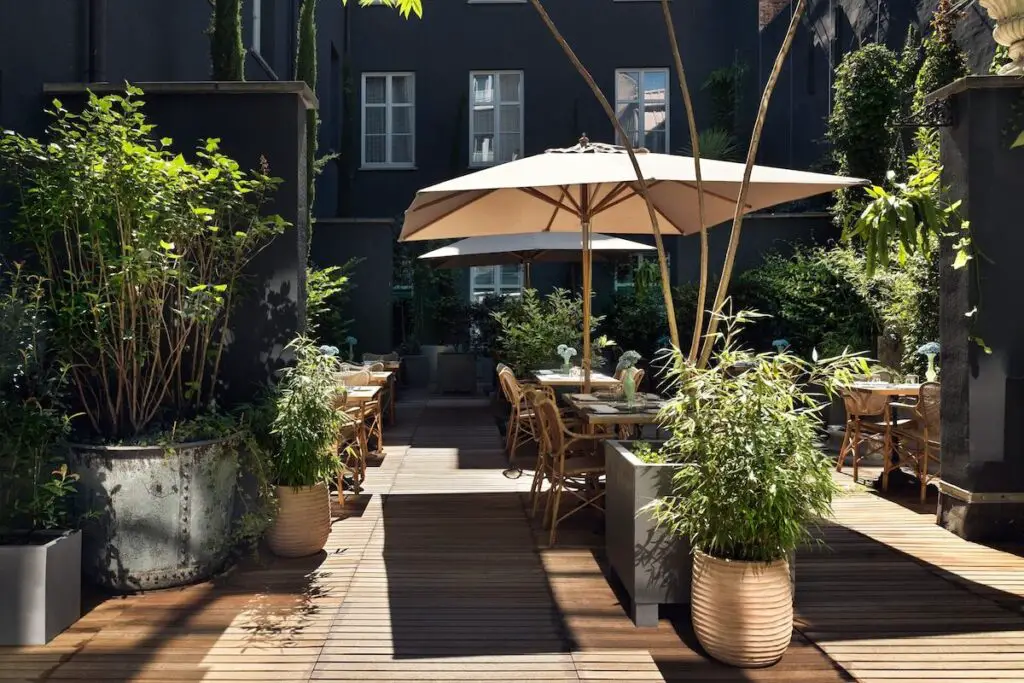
(982, 490)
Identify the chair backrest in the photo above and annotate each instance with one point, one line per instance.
(351, 367)
(928, 408)
(552, 430)
(510, 386)
(881, 375)
(375, 367)
(372, 356)
(360, 378)
(862, 403)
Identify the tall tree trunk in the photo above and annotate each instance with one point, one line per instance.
(741, 200)
(691, 117)
(666, 287)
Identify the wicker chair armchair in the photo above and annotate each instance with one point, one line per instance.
(372, 411)
(867, 430)
(919, 440)
(572, 462)
(522, 427)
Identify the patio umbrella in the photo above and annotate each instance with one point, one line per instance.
(526, 249)
(592, 187)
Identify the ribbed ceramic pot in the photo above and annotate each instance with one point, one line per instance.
(303, 521)
(1009, 31)
(742, 611)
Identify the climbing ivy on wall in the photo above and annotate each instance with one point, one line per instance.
(944, 60)
(227, 52)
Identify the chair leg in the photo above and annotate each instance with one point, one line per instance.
(887, 467)
(844, 448)
(856, 450)
(554, 513)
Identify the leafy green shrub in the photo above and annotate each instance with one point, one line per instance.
(327, 294)
(305, 422)
(646, 453)
(144, 254)
(716, 143)
(531, 328)
(637, 321)
(944, 60)
(35, 486)
(863, 126)
(227, 52)
(758, 478)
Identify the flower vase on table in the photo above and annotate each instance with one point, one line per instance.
(566, 353)
(930, 351)
(629, 386)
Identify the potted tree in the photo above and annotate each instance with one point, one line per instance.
(756, 482)
(303, 435)
(144, 254)
(40, 551)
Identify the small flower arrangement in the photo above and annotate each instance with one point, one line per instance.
(328, 350)
(566, 353)
(781, 345)
(930, 351)
(628, 359)
(351, 341)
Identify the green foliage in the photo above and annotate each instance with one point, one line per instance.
(485, 328)
(912, 216)
(327, 293)
(227, 52)
(944, 61)
(34, 484)
(646, 453)
(531, 328)
(811, 305)
(404, 7)
(1000, 59)
(725, 88)
(863, 127)
(305, 424)
(144, 254)
(637, 320)
(759, 478)
(716, 143)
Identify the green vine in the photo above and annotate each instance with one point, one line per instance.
(227, 52)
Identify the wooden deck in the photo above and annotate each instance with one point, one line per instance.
(436, 573)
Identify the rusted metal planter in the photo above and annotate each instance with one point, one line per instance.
(164, 513)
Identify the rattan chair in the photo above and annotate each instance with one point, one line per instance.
(373, 412)
(919, 440)
(572, 462)
(522, 427)
(867, 430)
(351, 446)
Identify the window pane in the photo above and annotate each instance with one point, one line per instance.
(655, 84)
(628, 115)
(483, 277)
(509, 87)
(376, 149)
(655, 142)
(509, 118)
(401, 120)
(401, 149)
(483, 90)
(375, 88)
(510, 276)
(626, 86)
(510, 147)
(483, 149)
(483, 120)
(401, 89)
(376, 121)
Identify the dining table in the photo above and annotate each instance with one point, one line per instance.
(611, 409)
(384, 378)
(561, 378)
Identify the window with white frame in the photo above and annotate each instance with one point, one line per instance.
(625, 271)
(488, 281)
(641, 103)
(495, 117)
(389, 119)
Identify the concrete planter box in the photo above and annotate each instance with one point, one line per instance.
(40, 588)
(456, 373)
(417, 371)
(654, 567)
(164, 514)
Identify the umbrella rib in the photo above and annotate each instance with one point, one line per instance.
(448, 212)
(612, 194)
(722, 197)
(537, 194)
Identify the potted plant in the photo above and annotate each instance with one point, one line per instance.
(652, 564)
(144, 254)
(757, 481)
(303, 435)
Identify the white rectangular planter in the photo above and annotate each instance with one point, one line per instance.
(654, 567)
(40, 589)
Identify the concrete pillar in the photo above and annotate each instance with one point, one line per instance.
(982, 492)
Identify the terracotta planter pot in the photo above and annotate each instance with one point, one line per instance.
(742, 611)
(303, 521)
(1009, 31)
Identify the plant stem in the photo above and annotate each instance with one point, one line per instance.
(691, 118)
(666, 287)
(755, 141)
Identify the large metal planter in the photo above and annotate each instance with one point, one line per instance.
(40, 588)
(654, 567)
(164, 514)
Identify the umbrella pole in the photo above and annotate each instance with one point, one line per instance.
(585, 211)
(526, 267)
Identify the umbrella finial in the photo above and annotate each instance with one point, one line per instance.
(584, 141)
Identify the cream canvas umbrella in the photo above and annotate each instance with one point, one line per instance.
(592, 187)
(526, 249)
